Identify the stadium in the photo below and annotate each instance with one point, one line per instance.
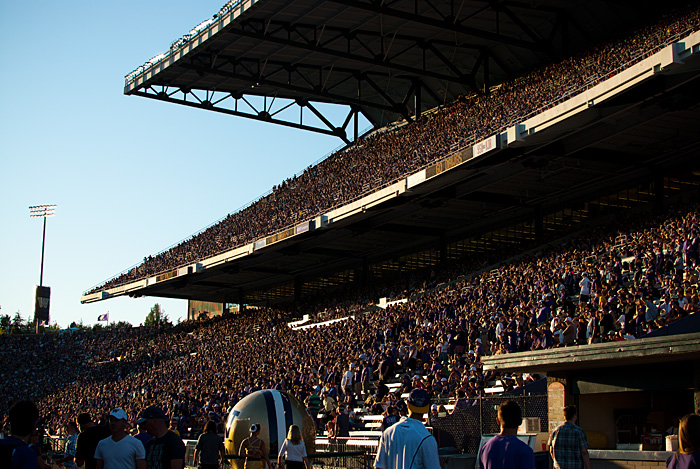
(516, 152)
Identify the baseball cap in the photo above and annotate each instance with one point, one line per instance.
(119, 414)
(151, 412)
(419, 401)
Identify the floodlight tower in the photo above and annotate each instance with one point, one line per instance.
(42, 294)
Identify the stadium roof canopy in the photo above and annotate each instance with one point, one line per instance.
(638, 127)
(282, 61)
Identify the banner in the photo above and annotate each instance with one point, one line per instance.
(41, 305)
(485, 146)
(166, 276)
(446, 164)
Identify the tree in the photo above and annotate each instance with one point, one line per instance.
(121, 325)
(157, 316)
(17, 322)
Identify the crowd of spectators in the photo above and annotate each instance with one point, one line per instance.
(614, 282)
(385, 157)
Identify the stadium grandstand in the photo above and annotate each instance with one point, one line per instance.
(517, 149)
(469, 167)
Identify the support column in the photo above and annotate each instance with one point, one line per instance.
(696, 383)
(417, 100)
(559, 395)
(356, 125)
(443, 249)
(657, 204)
(487, 80)
(365, 271)
(298, 284)
(241, 299)
(539, 226)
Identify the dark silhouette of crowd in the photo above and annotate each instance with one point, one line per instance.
(386, 156)
(614, 282)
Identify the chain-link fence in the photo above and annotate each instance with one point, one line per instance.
(463, 428)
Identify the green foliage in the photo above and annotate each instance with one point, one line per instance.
(157, 316)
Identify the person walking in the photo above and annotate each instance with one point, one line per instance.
(568, 444)
(254, 450)
(120, 451)
(505, 450)
(165, 450)
(209, 448)
(293, 451)
(90, 435)
(408, 444)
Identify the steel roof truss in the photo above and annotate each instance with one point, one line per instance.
(254, 79)
(343, 42)
(215, 100)
(448, 22)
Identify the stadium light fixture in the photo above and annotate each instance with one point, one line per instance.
(42, 211)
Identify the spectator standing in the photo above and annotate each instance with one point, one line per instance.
(90, 436)
(143, 436)
(342, 423)
(688, 454)
(120, 451)
(68, 459)
(408, 444)
(505, 450)
(313, 402)
(209, 448)
(586, 286)
(14, 450)
(165, 450)
(293, 451)
(568, 444)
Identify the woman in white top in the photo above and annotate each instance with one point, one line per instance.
(293, 451)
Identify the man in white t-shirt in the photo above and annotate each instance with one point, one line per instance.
(586, 286)
(120, 451)
(408, 444)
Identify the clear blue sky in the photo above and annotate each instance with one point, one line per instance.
(131, 176)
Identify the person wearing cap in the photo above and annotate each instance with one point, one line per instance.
(120, 451)
(254, 450)
(505, 450)
(90, 435)
(165, 450)
(408, 444)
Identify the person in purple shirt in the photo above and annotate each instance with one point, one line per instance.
(143, 435)
(506, 450)
(688, 455)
